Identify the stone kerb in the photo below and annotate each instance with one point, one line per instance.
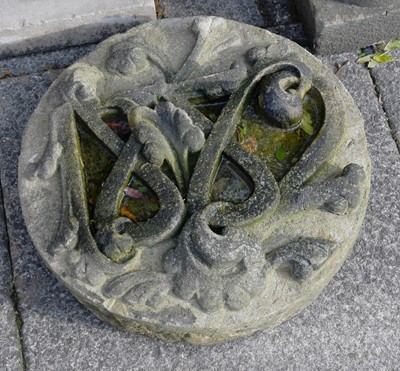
(37, 25)
(336, 26)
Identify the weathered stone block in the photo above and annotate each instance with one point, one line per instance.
(237, 10)
(343, 25)
(34, 25)
(195, 179)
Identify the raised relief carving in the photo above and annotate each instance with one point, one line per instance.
(204, 171)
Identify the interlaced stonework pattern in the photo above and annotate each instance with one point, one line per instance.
(195, 179)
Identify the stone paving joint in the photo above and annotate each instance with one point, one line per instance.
(13, 292)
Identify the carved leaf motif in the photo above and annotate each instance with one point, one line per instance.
(338, 195)
(84, 84)
(45, 167)
(83, 267)
(304, 256)
(155, 146)
(218, 270)
(167, 134)
(138, 288)
(185, 137)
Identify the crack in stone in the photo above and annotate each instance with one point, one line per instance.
(12, 290)
(392, 127)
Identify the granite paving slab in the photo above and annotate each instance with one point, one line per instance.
(263, 13)
(238, 10)
(387, 81)
(338, 26)
(354, 324)
(375, 276)
(293, 32)
(42, 61)
(278, 12)
(10, 346)
(279, 17)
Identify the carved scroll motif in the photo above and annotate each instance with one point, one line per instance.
(177, 174)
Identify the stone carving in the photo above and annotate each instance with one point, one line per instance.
(335, 26)
(195, 179)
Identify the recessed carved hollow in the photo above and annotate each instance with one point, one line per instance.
(195, 179)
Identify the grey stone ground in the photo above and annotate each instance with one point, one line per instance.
(355, 323)
(340, 26)
(10, 344)
(31, 25)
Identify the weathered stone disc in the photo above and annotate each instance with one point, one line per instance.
(195, 179)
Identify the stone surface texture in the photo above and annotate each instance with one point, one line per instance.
(237, 10)
(42, 61)
(387, 79)
(339, 26)
(10, 346)
(33, 25)
(173, 275)
(278, 12)
(277, 16)
(354, 324)
(358, 331)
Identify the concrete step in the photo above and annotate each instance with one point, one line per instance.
(28, 26)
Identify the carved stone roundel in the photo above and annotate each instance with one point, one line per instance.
(195, 179)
